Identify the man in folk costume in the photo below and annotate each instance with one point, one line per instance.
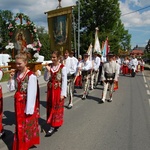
(75, 61)
(102, 61)
(133, 62)
(71, 67)
(95, 70)
(85, 67)
(109, 76)
(1, 107)
(74, 58)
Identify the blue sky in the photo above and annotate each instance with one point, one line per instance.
(137, 23)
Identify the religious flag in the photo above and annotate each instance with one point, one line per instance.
(105, 49)
(89, 51)
(97, 47)
(108, 47)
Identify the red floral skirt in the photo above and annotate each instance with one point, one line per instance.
(27, 127)
(142, 68)
(55, 106)
(125, 70)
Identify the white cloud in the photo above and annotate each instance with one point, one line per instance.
(143, 3)
(34, 8)
(134, 2)
(140, 3)
(136, 19)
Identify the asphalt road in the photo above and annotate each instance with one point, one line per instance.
(123, 124)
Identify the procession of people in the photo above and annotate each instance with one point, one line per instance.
(63, 75)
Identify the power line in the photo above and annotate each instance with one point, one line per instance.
(135, 11)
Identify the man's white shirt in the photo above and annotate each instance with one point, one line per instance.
(96, 62)
(133, 62)
(70, 65)
(85, 65)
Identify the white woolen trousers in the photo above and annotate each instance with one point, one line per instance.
(111, 89)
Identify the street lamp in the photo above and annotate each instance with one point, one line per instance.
(78, 4)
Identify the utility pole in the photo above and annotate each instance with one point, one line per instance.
(75, 42)
(78, 27)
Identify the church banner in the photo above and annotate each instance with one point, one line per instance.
(59, 26)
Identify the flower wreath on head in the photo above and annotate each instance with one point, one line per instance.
(36, 45)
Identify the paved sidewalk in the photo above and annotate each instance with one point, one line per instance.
(6, 93)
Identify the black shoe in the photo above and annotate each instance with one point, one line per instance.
(2, 134)
(56, 128)
(91, 88)
(50, 132)
(75, 91)
(110, 100)
(83, 97)
(70, 106)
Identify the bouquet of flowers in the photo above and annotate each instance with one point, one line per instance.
(10, 46)
(35, 46)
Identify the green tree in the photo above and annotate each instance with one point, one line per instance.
(148, 46)
(5, 17)
(106, 16)
(44, 39)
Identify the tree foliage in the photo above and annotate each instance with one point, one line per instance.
(44, 39)
(5, 17)
(104, 14)
(148, 46)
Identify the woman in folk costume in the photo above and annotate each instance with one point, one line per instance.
(118, 71)
(26, 104)
(1, 107)
(142, 63)
(56, 76)
(78, 78)
(138, 68)
(125, 66)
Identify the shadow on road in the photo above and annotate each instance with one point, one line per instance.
(97, 99)
(10, 118)
(43, 103)
(8, 139)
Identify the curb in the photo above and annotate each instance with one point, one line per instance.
(147, 67)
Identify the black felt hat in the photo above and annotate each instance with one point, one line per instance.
(86, 54)
(110, 54)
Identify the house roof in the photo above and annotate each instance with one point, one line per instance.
(137, 51)
(139, 48)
